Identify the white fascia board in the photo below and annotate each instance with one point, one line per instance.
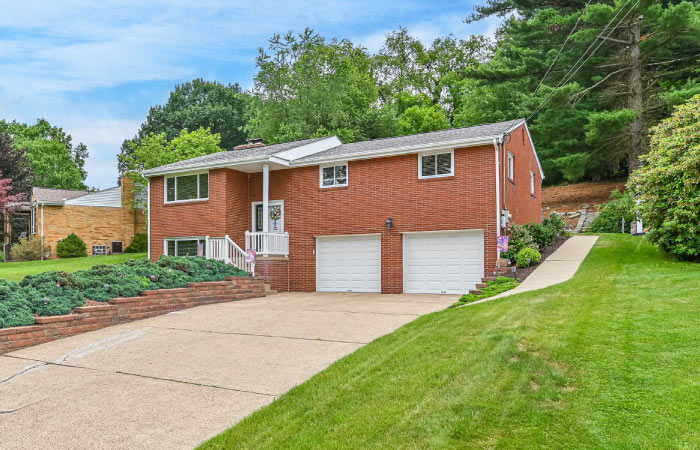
(309, 149)
(534, 150)
(532, 143)
(50, 203)
(485, 140)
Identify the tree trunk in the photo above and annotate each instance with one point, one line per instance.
(638, 129)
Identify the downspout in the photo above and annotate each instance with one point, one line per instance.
(498, 188)
(148, 218)
(42, 231)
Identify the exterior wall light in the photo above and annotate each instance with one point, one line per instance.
(389, 223)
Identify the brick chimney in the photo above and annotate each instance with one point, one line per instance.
(252, 143)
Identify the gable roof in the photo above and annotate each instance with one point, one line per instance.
(57, 196)
(330, 149)
(232, 156)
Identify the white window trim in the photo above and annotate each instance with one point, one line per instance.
(347, 175)
(436, 152)
(165, 187)
(186, 238)
(511, 166)
(532, 182)
(269, 203)
(33, 214)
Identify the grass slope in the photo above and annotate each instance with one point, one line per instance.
(609, 359)
(15, 271)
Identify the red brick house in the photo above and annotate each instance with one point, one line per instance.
(413, 214)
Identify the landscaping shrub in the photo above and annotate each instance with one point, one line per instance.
(28, 249)
(519, 238)
(71, 247)
(555, 223)
(527, 257)
(58, 288)
(500, 284)
(611, 214)
(668, 183)
(138, 245)
(103, 281)
(542, 235)
(57, 293)
(200, 268)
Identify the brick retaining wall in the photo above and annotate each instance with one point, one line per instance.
(120, 310)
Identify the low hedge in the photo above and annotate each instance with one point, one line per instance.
(57, 293)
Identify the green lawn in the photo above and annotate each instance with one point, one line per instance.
(15, 271)
(610, 359)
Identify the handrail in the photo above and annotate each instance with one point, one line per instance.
(224, 249)
(267, 244)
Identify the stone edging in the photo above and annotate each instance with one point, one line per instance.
(120, 310)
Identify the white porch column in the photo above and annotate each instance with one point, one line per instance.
(265, 198)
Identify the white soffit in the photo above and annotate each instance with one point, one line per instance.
(308, 149)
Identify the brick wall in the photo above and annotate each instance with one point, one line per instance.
(524, 207)
(378, 189)
(119, 310)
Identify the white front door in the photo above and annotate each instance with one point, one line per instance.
(442, 262)
(349, 263)
(274, 216)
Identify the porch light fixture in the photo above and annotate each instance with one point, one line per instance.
(389, 223)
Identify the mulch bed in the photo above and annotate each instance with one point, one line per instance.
(523, 272)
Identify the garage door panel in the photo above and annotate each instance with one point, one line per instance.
(449, 262)
(348, 263)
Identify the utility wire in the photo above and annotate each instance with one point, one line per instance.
(572, 71)
(562, 46)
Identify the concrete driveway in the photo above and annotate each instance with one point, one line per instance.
(176, 380)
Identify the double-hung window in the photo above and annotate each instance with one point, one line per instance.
(511, 166)
(532, 182)
(183, 188)
(433, 165)
(334, 175)
(185, 247)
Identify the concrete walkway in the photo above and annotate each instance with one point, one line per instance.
(559, 267)
(173, 381)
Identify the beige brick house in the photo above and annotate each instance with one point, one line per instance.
(106, 220)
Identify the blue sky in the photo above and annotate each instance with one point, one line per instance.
(94, 68)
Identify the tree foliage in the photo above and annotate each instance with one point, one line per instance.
(593, 119)
(155, 150)
(15, 165)
(193, 105)
(53, 159)
(668, 183)
(306, 86)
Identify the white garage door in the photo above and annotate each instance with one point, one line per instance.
(349, 264)
(442, 263)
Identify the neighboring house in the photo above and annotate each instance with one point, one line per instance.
(413, 214)
(106, 220)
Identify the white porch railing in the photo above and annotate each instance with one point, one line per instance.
(224, 249)
(267, 244)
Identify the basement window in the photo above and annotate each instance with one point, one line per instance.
(187, 188)
(185, 246)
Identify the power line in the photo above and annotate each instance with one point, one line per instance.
(572, 71)
(562, 46)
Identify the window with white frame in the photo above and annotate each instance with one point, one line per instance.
(193, 246)
(184, 188)
(511, 166)
(433, 165)
(334, 175)
(33, 220)
(532, 182)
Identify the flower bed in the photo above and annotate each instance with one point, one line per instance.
(56, 293)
